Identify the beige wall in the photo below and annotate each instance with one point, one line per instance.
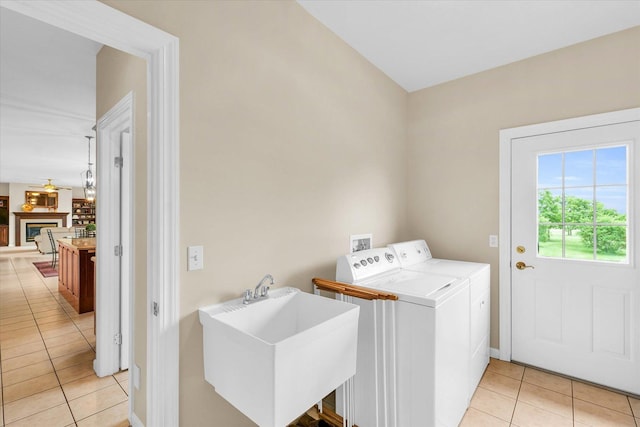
(289, 143)
(453, 128)
(117, 74)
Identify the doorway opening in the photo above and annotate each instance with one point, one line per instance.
(99, 22)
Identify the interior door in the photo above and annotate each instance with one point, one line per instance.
(114, 269)
(125, 243)
(574, 253)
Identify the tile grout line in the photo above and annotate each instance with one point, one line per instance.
(46, 349)
(633, 414)
(10, 262)
(513, 413)
(498, 393)
(102, 410)
(573, 406)
(1, 385)
(606, 407)
(55, 371)
(485, 412)
(572, 380)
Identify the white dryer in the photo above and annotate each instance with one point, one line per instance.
(412, 359)
(416, 256)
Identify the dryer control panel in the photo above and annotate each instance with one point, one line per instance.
(365, 264)
(411, 253)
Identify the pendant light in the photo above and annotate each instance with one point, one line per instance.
(89, 181)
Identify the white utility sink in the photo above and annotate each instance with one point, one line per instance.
(275, 358)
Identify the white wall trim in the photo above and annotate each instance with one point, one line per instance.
(101, 23)
(506, 138)
(135, 421)
(163, 201)
(494, 352)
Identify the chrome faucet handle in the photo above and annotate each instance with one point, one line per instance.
(260, 292)
(247, 296)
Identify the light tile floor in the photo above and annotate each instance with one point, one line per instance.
(514, 395)
(46, 355)
(46, 375)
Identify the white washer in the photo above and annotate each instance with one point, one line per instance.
(416, 256)
(412, 362)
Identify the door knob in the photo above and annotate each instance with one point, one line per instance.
(521, 265)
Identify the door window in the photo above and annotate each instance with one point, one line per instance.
(583, 204)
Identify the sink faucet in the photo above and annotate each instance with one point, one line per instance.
(260, 292)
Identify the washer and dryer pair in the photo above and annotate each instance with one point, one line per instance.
(421, 357)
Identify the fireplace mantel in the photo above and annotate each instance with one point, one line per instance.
(20, 216)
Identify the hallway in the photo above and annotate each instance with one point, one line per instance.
(47, 352)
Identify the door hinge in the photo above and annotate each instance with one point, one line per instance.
(156, 308)
(117, 250)
(117, 339)
(118, 162)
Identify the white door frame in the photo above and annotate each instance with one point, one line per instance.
(506, 138)
(127, 262)
(114, 215)
(99, 22)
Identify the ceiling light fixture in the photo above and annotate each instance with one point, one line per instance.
(89, 182)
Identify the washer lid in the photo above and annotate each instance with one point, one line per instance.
(425, 289)
(448, 267)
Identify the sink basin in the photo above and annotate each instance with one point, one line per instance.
(276, 358)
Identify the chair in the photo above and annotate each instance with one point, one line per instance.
(54, 249)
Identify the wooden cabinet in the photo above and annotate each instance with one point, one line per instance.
(76, 272)
(4, 235)
(83, 212)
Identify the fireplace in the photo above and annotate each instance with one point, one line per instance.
(25, 218)
(33, 229)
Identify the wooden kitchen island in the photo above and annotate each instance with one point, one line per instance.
(76, 272)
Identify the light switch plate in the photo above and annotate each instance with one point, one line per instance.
(195, 255)
(493, 241)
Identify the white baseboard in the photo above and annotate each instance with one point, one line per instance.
(135, 421)
(494, 352)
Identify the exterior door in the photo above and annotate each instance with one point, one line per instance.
(575, 222)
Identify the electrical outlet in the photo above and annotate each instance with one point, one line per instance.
(493, 241)
(195, 256)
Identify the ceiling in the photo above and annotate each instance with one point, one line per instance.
(423, 43)
(47, 101)
(47, 76)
